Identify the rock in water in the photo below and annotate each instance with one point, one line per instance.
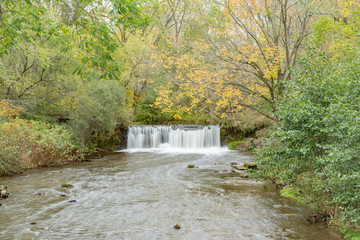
(4, 192)
(177, 226)
(238, 167)
(251, 165)
(66, 185)
(190, 166)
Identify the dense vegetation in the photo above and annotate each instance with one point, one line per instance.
(314, 150)
(74, 72)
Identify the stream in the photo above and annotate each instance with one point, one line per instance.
(143, 194)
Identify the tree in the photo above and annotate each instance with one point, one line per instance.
(99, 107)
(246, 57)
(314, 148)
(49, 46)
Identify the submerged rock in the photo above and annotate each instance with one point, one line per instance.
(66, 185)
(190, 166)
(38, 229)
(234, 163)
(177, 226)
(62, 195)
(28, 236)
(72, 201)
(4, 192)
(244, 175)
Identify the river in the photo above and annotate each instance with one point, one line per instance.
(142, 195)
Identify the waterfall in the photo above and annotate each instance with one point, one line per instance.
(187, 136)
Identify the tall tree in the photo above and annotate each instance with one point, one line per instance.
(249, 50)
(48, 46)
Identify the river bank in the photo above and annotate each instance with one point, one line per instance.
(301, 190)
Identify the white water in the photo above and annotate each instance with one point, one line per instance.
(174, 137)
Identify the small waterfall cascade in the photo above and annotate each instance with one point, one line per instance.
(185, 136)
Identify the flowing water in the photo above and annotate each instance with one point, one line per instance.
(142, 195)
(179, 137)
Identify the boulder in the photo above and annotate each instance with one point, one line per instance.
(247, 165)
(251, 165)
(190, 166)
(177, 226)
(4, 193)
(245, 145)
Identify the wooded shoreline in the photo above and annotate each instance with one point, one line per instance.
(74, 74)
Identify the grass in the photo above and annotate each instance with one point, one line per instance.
(233, 145)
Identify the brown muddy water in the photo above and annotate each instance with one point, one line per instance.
(142, 195)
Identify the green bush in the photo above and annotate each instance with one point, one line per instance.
(99, 108)
(28, 144)
(350, 234)
(315, 146)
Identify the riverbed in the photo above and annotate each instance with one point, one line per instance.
(142, 195)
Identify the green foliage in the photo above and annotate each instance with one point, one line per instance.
(99, 108)
(44, 44)
(350, 234)
(50, 50)
(147, 114)
(28, 144)
(315, 146)
(233, 145)
(290, 192)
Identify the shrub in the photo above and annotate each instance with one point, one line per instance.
(28, 144)
(99, 108)
(315, 147)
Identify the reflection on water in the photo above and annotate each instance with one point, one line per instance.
(142, 195)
